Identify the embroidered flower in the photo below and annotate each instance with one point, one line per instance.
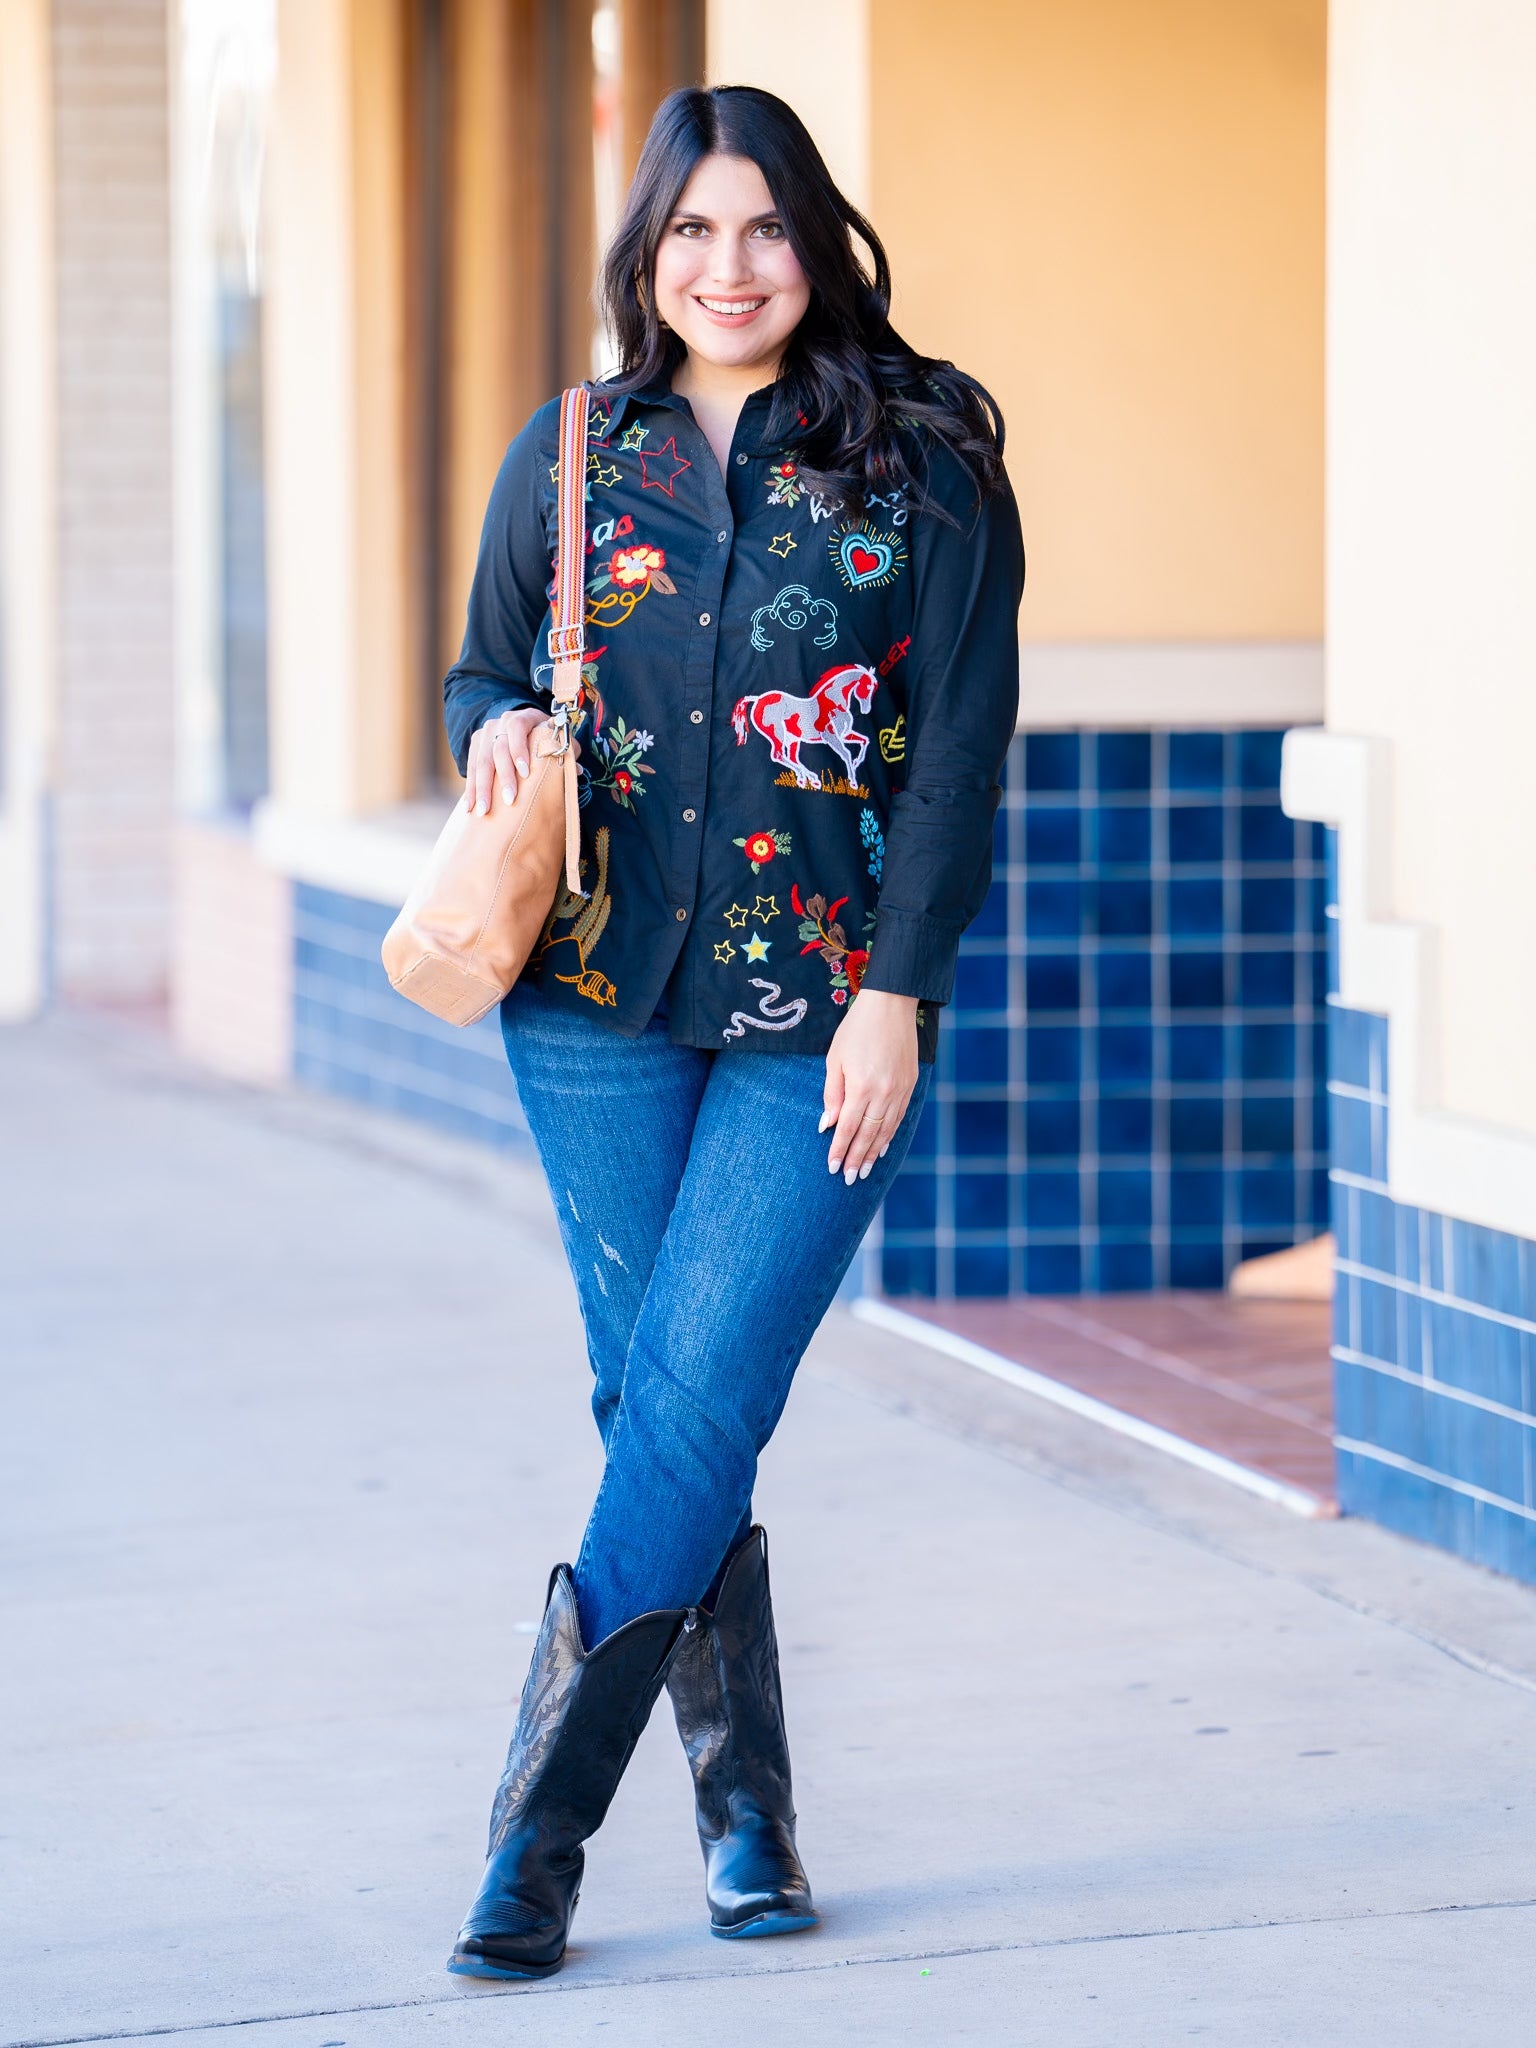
(623, 780)
(784, 485)
(762, 846)
(823, 934)
(632, 566)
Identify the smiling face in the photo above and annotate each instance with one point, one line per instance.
(727, 282)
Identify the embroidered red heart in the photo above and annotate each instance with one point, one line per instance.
(862, 561)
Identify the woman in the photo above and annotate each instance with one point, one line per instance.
(801, 680)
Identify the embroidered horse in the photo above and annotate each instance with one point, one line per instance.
(825, 718)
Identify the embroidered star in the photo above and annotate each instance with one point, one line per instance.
(666, 458)
(598, 423)
(725, 952)
(632, 437)
(554, 472)
(605, 474)
(781, 544)
(737, 916)
(756, 947)
(764, 908)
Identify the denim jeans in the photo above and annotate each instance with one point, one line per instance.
(706, 1239)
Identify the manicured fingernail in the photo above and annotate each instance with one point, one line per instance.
(885, 1148)
(864, 1169)
(849, 1178)
(826, 1120)
(522, 767)
(506, 794)
(833, 1165)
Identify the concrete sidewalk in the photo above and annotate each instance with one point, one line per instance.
(1089, 1750)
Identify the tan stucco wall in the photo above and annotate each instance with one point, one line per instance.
(1111, 211)
(1432, 495)
(813, 53)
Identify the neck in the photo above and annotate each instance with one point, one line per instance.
(722, 385)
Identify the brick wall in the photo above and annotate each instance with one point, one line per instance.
(113, 845)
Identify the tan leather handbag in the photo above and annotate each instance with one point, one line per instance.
(468, 926)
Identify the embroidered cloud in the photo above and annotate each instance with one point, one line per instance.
(794, 608)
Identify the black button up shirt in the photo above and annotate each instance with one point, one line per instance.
(794, 724)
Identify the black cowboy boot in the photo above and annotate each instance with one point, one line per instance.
(724, 1683)
(579, 1718)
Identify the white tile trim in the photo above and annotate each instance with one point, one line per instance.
(377, 858)
(1204, 683)
(1436, 1161)
(918, 1330)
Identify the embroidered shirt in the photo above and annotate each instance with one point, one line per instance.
(793, 730)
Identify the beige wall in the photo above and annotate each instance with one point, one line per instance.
(343, 722)
(1432, 497)
(1111, 211)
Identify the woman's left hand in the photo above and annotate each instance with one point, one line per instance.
(871, 1072)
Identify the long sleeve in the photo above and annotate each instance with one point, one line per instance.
(508, 599)
(963, 700)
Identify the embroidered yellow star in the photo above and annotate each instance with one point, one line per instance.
(756, 947)
(606, 474)
(781, 544)
(764, 908)
(737, 916)
(725, 952)
(554, 472)
(633, 436)
(598, 423)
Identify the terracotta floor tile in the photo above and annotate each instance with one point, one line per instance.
(1251, 1380)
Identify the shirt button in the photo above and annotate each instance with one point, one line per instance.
(689, 816)
(703, 618)
(722, 536)
(696, 717)
(681, 915)
(741, 458)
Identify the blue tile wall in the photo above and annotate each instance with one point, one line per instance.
(1434, 1340)
(354, 1036)
(1130, 1083)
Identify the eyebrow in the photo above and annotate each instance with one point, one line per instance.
(756, 221)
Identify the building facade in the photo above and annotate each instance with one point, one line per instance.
(280, 278)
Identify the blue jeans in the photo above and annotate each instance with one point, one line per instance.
(706, 1239)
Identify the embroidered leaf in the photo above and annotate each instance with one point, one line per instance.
(816, 906)
(661, 581)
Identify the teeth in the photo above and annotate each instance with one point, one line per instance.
(731, 305)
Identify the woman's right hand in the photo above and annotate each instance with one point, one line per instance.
(499, 753)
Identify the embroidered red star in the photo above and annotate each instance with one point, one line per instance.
(665, 457)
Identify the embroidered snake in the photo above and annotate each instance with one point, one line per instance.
(784, 1018)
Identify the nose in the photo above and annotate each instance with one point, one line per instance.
(732, 265)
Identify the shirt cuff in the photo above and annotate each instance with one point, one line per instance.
(913, 955)
(518, 700)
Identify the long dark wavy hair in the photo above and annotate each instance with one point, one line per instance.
(855, 407)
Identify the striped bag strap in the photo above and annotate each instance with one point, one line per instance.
(567, 633)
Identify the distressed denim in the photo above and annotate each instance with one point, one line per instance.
(706, 1239)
